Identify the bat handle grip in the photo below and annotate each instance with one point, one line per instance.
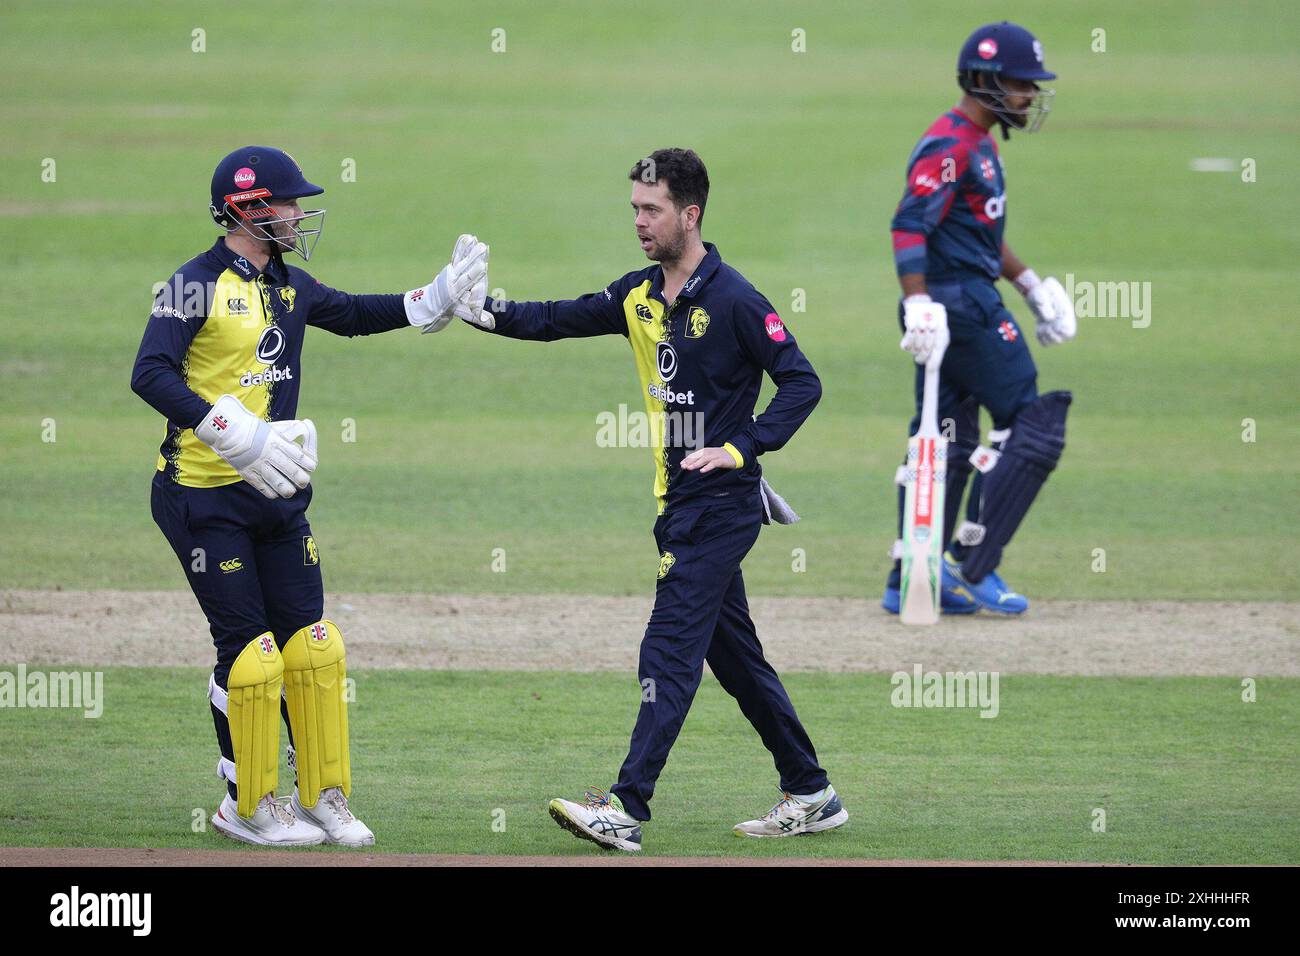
(930, 396)
(936, 356)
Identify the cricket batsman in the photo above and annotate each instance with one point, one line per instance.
(950, 251)
(220, 360)
(701, 339)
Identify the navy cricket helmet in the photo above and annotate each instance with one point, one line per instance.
(1005, 51)
(246, 183)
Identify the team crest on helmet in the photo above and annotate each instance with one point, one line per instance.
(697, 323)
(666, 562)
(988, 49)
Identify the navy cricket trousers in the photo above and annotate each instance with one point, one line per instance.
(700, 615)
(251, 562)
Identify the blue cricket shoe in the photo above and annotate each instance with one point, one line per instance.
(954, 598)
(992, 593)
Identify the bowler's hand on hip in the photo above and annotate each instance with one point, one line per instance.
(706, 459)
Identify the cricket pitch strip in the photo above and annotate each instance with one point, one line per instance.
(535, 632)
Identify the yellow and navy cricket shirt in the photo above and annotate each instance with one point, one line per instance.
(701, 363)
(220, 326)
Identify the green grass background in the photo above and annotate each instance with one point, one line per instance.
(1185, 771)
(466, 443)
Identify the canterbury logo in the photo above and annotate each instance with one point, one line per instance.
(644, 314)
(234, 564)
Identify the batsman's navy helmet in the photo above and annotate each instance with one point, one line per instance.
(248, 180)
(1005, 51)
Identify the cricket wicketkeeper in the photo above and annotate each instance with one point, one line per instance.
(220, 360)
(701, 339)
(949, 251)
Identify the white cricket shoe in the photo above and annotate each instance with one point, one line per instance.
(332, 815)
(272, 824)
(601, 819)
(792, 817)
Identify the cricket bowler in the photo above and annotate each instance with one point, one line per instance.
(949, 251)
(701, 338)
(220, 360)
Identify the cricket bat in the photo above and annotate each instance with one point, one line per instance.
(926, 471)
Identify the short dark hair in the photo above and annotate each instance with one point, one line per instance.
(681, 170)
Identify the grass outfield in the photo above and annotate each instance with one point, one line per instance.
(1186, 772)
(466, 444)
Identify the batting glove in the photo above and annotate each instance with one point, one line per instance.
(1051, 307)
(267, 455)
(430, 309)
(925, 324)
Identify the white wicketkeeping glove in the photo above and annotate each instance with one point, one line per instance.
(266, 454)
(1050, 305)
(429, 308)
(471, 308)
(926, 327)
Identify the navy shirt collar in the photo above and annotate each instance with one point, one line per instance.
(245, 269)
(703, 273)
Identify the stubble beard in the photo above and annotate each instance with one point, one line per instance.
(671, 250)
